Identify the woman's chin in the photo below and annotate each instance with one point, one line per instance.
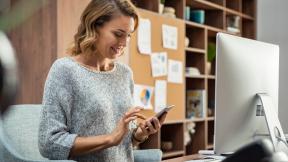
(115, 55)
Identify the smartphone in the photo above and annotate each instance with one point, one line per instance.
(163, 111)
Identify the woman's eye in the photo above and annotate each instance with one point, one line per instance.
(118, 35)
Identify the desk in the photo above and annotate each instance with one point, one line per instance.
(183, 158)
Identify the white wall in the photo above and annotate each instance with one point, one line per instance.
(272, 26)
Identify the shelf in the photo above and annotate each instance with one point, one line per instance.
(194, 24)
(214, 32)
(233, 12)
(219, 2)
(247, 17)
(209, 146)
(173, 122)
(173, 154)
(215, 29)
(196, 50)
(211, 118)
(211, 77)
(209, 28)
(196, 76)
(195, 120)
(202, 4)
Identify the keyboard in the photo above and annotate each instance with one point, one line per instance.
(209, 158)
(205, 160)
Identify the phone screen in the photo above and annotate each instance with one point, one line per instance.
(163, 111)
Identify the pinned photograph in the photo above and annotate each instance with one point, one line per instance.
(142, 96)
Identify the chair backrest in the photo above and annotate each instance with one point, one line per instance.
(19, 137)
(8, 153)
(20, 126)
(151, 155)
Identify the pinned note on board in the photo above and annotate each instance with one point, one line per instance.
(144, 36)
(160, 95)
(175, 71)
(159, 64)
(170, 36)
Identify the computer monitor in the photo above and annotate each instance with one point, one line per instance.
(245, 68)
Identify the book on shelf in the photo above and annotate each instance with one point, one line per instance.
(233, 21)
(233, 24)
(192, 71)
(195, 104)
(233, 30)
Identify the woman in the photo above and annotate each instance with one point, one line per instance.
(88, 97)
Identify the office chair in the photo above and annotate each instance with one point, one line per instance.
(8, 74)
(20, 125)
(8, 91)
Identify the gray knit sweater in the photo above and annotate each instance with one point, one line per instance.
(81, 102)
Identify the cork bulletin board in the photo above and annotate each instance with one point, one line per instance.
(141, 64)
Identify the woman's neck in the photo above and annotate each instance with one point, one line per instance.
(94, 62)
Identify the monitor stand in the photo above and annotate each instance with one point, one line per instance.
(274, 127)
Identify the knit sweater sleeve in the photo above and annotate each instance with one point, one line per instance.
(55, 140)
(133, 124)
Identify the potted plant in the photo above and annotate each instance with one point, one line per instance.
(211, 54)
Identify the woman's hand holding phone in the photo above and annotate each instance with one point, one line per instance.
(148, 127)
(151, 125)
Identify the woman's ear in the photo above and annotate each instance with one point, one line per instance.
(96, 35)
(94, 47)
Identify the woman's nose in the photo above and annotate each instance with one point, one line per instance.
(124, 41)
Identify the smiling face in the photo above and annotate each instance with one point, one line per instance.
(114, 36)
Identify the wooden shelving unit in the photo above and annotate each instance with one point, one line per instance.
(195, 55)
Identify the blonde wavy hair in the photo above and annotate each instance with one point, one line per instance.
(95, 15)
